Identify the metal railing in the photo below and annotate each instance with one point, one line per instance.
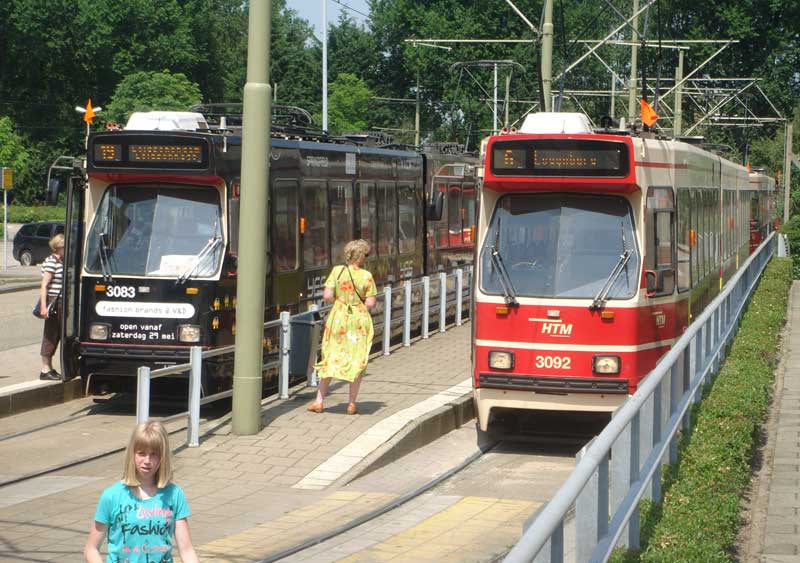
(623, 464)
(414, 298)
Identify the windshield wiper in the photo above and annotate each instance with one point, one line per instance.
(600, 299)
(105, 262)
(509, 293)
(212, 244)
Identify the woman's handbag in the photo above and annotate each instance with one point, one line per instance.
(52, 308)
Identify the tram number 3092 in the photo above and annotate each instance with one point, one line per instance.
(553, 362)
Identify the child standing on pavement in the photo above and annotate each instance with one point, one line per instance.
(144, 511)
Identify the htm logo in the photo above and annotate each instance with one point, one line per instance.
(557, 329)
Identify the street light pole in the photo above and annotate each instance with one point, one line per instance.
(252, 261)
(325, 65)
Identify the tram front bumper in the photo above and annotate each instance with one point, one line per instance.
(487, 399)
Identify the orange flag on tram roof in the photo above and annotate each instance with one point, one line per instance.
(649, 116)
(89, 115)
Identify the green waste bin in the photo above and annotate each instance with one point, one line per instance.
(304, 342)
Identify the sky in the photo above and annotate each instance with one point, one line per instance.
(311, 10)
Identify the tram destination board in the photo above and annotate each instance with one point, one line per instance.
(149, 151)
(560, 157)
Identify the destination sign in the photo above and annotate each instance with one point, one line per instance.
(121, 150)
(559, 157)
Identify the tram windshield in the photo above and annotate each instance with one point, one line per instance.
(156, 231)
(560, 245)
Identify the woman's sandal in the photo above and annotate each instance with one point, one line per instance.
(351, 409)
(315, 407)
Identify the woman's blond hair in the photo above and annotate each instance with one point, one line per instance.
(356, 251)
(56, 242)
(148, 437)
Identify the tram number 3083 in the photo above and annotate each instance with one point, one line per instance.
(553, 362)
(124, 291)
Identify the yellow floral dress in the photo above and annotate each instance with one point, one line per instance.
(348, 333)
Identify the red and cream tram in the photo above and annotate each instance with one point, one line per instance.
(595, 252)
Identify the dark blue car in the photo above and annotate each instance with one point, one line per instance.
(31, 241)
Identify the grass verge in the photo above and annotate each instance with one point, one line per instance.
(698, 519)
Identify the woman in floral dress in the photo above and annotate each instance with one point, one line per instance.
(348, 329)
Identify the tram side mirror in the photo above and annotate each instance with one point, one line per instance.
(54, 187)
(659, 281)
(652, 278)
(434, 211)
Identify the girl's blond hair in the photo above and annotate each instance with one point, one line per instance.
(149, 437)
(356, 251)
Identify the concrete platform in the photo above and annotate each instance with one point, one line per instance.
(254, 495)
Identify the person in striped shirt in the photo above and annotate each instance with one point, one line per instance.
(50, 291)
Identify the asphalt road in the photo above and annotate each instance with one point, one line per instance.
(20, 327)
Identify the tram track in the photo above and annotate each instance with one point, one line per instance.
(501, 442)
(381, 510)
(103, 453)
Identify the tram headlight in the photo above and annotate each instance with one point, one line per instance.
(606, 365)
(501, 359)
(99, 331)
(189, 333)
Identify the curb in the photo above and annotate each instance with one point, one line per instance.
(40, 396)
(12, 287)
(413, 436)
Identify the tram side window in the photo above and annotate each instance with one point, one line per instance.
(315, 212)
(729, 224)
(369, 212)
(284, 209)
(684, 241)
(660, 241)
(406, 208)
(341, 201)
(468, 212)
(454, 215)
(714, 211)
(387, 219)
(694, 237)
(440, 233)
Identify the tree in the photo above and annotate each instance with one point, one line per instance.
(348, 104)
(145, 91)
(15, 154)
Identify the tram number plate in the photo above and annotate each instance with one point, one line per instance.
(553, 362)
(128, 292)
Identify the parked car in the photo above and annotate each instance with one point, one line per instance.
(31, 241)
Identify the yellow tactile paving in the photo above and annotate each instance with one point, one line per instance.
(474, 525)
(291, 528)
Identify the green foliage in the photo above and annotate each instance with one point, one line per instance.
(698, 519)
(13, 152)
(145, 91)
(348, 104)
(33, 213)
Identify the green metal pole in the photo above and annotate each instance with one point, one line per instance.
(252, 264)
(547, 54)
(417, 116)
(678, 111)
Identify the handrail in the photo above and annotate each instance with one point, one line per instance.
(604, 481)
(283, 323)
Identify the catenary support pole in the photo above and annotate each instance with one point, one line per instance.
(787, 173)
(547, 54)
(632, 102)
(679, 96)
(252, 263)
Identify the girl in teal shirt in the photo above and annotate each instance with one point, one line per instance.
(144, 511)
